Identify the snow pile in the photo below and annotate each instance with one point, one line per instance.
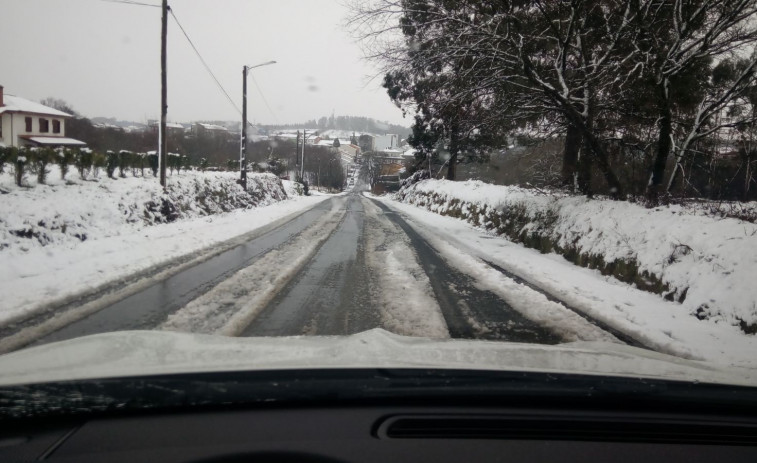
(66, 212)
(705, 263)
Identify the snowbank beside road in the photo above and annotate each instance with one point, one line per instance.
(658, 324)
(65, 213)
(705, 263)
(121, 238)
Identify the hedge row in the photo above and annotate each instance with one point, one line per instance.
(88, 163)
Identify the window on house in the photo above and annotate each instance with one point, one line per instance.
(28, 121)
(44, 125)
(56, 126)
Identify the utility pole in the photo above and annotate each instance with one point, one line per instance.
(302, 165)
(243, 143)
(162, 140)
(243, 153)
(297, 152)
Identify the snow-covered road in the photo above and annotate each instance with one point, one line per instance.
(348, 263)
(345, 265)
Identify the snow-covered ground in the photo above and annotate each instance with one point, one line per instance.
(52, 264)
(705, 261)
(723, 263)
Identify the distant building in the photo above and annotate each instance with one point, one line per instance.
(387, 142)
(200, 128)
(171, 127)
(26, 123)
(348, 149)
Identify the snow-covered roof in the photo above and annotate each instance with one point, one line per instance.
(212, 127)
(17, 104)
(341, 134)
(56, 141)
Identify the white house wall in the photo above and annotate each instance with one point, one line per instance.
(5, 120)
(12, 129)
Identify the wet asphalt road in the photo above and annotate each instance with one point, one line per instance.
(334, 293)
(150, 307)
(330, 296)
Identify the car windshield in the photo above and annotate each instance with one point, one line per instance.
(474, 184)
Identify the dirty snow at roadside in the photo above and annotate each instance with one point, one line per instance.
(408, 306)
(661, 325)
(119, 238)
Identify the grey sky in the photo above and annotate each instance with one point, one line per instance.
(104, 59)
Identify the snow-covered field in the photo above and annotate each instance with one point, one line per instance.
(718, 269)
(59, 240)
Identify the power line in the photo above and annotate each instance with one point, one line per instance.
(197, 52)
(203, 61)
(264, 100)
(131, 2)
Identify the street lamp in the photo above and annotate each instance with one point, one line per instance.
(243, 147)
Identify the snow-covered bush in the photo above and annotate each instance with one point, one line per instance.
(99, 161)
(124, 162)
(7, 155)
(152, 160)
(65, 157)
(111, 163)
(71, 213)
(42, 158)
(83, 161)
(20, 166)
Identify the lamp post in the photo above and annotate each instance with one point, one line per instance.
(243, 146)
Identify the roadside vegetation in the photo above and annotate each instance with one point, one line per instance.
(645, 100)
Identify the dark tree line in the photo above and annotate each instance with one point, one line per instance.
(671, 81)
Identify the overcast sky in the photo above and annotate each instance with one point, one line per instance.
(103, 58)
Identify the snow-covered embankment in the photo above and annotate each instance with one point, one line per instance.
(686, 255)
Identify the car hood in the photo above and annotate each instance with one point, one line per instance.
(145, 353)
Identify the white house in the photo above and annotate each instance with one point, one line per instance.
(26, 123)
(386, 142)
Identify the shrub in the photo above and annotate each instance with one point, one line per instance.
(83, 162)
(306, 188)
(98, 162)
(6, 156)
(173, 162)
(65, 157)
(111, 163)
(152, 160)
(138, 164)
(42, 158)
(20, 163)
(124, 161)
